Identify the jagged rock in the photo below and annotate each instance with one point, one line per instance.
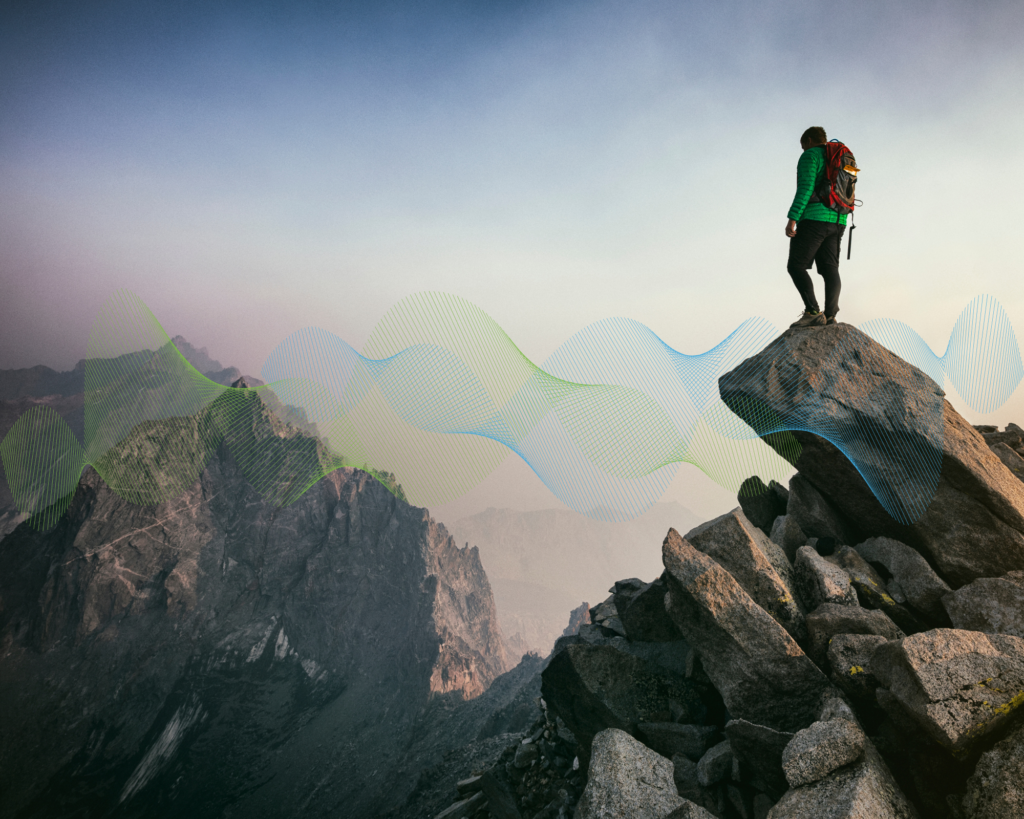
(219, 626)
(923, 588)
(862, 790)
(818, 581)
(1011, 438)
(760, 749)
(762, 504)
(958, 686)
(974, 524)
(1010, 458)
(760, 671)
(464, 808)
(849, 657)
(830, 619)
(644, 617)
(623, 591)
(689, 810)
(996, 790)
(577, 617)
(994, 605)
(820, 749)
(688, 786)
(677, 657)
(627, 779)
(786, 532)
(671, 738)
(872, 592)
(501, 804)
(597, 687)
(715, 765)
(757, 564)
(606, 616)
(815, 516)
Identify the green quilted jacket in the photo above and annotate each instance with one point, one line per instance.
(808, 172)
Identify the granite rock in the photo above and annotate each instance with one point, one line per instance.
(757, 564)
(627, 779)
(994, 605)
(996, 790)
(761, 673)
(819, 581)
(957, 686)
(820, 749)
(973, 523)
(830, 619)
(918, 581)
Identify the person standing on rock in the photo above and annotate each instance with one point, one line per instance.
(815, 234)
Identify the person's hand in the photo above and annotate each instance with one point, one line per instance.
(791, 228)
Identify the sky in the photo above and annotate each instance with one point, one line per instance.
(249, 169)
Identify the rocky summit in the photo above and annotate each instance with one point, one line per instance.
(216, 655)
(806, 656)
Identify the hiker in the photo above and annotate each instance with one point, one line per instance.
(815, 233)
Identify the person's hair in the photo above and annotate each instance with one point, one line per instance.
(814, 136)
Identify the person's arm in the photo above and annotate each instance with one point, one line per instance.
(811, 162)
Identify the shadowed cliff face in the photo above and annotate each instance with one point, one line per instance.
(215, 655)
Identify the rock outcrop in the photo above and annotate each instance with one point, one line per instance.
(851, 389)
(867, 706)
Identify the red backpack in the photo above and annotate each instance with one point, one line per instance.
(836, 189)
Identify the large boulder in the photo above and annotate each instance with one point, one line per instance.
(627, 779)
(757, 564)
(996, 791)
(849, 657)
(820, 581)
(597, 687)
(1011, 460)
(872, 590)
(762, 674)
(957, 686)
(861, 789)
(830, 619)
(923, 588)
(947, 494)
(643, 614)
(820, 749)
(994, 605)
(815, 516)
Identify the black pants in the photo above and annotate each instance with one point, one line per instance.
(817, 242)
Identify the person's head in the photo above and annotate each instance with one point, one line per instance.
(813, 136)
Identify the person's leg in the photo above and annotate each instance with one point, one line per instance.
(826, 261)
(802, 251)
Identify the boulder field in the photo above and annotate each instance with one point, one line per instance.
(849, 646)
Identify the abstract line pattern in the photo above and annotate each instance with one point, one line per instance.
(441, 395)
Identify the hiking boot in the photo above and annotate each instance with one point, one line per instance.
(830, 319)
(809, 319)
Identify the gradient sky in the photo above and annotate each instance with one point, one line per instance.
(252, 168)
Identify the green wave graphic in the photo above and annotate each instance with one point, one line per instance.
(440, 396)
